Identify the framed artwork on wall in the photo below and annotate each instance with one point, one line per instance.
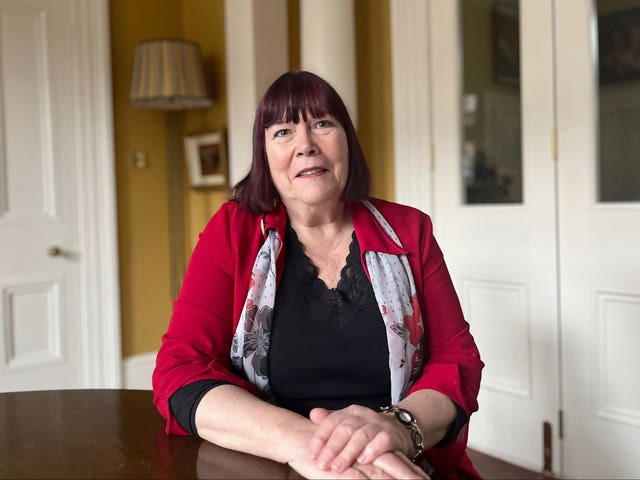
(206, 156)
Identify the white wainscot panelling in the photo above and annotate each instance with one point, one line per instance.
(618, 333)
(31, 324)
(499, 316)
(138, 370)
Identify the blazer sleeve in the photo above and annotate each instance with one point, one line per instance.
(452, 362)
(197, 343)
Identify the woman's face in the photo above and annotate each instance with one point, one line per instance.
(308, 161)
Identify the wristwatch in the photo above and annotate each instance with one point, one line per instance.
(408, 421)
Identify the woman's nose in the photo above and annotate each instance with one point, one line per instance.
(306, 145)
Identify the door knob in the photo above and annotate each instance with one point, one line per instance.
(54, 251)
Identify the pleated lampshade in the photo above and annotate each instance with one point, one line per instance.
(167, 75)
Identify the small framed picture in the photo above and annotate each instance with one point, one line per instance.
(206, 159)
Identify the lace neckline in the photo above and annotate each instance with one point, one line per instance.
(309, 270)
(350, 294)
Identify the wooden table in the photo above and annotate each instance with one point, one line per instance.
(109, 434)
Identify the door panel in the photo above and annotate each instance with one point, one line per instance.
(495, 214)
(40, 328)
(599, 233)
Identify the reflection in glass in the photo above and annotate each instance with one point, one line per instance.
(619, 100)
(492, 137)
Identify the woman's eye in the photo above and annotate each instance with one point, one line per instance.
(323, 124)
(281, 132)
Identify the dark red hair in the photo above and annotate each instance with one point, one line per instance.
(291, 95)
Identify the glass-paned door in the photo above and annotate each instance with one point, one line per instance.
(559, 265)
(598, 78)
(494, 194)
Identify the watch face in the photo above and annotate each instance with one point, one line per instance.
(404, 416)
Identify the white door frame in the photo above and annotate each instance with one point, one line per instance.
(411, 103)
(99, 281)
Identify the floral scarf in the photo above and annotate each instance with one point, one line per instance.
(395, 292)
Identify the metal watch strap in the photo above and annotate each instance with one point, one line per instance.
(408, 421)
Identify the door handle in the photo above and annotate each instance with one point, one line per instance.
(54, 251)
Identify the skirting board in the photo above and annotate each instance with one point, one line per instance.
(138, 369)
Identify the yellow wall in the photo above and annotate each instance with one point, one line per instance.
(203, 23)
(375, 111)
(142, 193)
(294, 34)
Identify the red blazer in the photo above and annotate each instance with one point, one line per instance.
(206, 312)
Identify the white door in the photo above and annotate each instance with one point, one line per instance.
(599, 232)
(495, 213)
(51, 139)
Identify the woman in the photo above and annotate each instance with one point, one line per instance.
(307, 307)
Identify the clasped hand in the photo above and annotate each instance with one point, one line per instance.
(357, 437)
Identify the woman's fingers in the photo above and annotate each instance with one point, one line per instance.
(397, 465)
(357, 440)
(327, 423)
(383, 442)
(353, 448)
(317, 415)
(394, 465)
(353, 433)
(345, 443)
(334, 432)
(308, 469)
(373, 472)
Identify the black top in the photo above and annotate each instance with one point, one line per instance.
(328, 346)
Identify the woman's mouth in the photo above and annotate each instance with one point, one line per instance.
(311, 171)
